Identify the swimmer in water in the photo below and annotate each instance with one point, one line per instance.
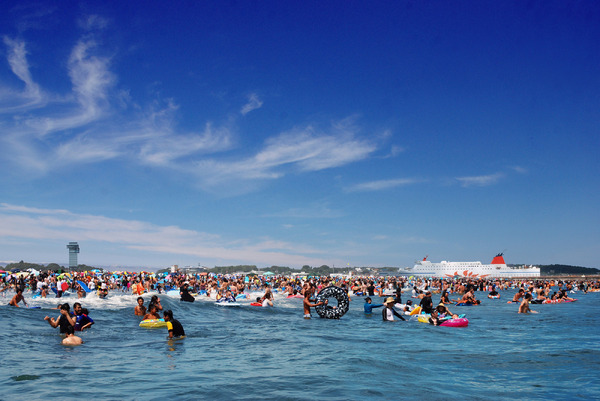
(268, 301)
(64, 321)
(307, 305)
(71, 338)
(228, 297)
(152, 313)
(140, 309)
(443, 310)
(434, 318)
(82, 320)
(369, 306)
(103, 291)
(156, 301)
(18, 298)
(518, 296)
(524, 307)
(173, 326)
(389, 312)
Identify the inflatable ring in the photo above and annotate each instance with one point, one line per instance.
(460, 322)
(326, 311)
(153, 323)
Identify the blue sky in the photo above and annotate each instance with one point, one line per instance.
(292, 133)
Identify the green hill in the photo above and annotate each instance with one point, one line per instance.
(548, 270)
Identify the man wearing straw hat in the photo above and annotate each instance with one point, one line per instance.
(389, 312)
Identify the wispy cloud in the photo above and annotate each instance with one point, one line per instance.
(381, 185)
(26, 223)
(519, 169)
(317, 210)
(300, 150)
(164, 149)
(93, 22)
(253, 103)
(479, 181)
(82, 126)
(17, 60)
(93, 122)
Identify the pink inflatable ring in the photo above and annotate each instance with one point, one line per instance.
(460, 322)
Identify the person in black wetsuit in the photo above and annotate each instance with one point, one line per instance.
(63, 321)
(371, 289)
(426, 303)
(399, 295)
(173, 326)
(184, 292)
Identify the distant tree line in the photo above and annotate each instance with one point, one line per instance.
(55, 267)
(232, 269)
(548, 270)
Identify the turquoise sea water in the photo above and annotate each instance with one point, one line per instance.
(251, 353)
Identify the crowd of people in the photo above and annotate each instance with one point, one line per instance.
(230, 288)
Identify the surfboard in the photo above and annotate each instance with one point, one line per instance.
(84, 286)
(228, 304)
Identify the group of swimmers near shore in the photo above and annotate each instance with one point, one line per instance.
(229, 288)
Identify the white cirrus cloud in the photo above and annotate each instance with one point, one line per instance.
(94, 122)
(380, 185)
(31, 95)
(479, 181)
(300, 150)
(253, 103)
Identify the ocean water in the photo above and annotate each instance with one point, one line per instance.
(251, 353)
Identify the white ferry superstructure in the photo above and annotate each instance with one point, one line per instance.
(444, 269)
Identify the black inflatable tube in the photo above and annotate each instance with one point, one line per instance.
(328, 312)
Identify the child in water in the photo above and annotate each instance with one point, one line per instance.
(71, 338)
(369, 306)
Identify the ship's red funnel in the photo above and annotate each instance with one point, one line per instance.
(498, 260)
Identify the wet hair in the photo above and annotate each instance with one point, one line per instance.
(168, 313)
(75, 305)
(154, 298)
(66, 307)
(138, 298)
(70, 330)
(85, 311)
(367, 299)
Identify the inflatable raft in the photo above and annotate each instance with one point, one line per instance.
(153, 323)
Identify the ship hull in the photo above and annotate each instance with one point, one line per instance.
(445, 269)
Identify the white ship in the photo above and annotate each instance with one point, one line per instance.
(497, 268)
